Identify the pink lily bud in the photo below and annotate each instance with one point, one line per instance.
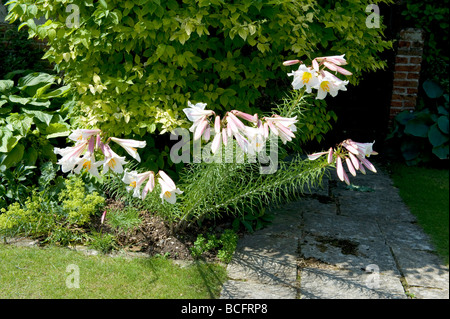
(91, 146)
(236, 121)
(340, 169)
(225, 136)
(217, 125)
(207, 133)
(200, 129)
(354, 160)
(291, 62)
(216, 143)
(330, 155)
(315, 65)
(245, 116)
(103, 217)
(350, 167)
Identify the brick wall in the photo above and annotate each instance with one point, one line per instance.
(408, 64)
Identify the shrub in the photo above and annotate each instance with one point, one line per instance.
(423, 135)
(54, 221)
(136, 63)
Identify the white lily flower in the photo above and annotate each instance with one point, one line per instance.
(112, 161)
(70, 156)
(304, 77)
(135, 181)
(168, 188)
(329, 84)
(130, 146)
(83, 135)
(197, 111)
(88, 163)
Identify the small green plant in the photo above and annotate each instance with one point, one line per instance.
(123, 219)
(225, 245)
(104, 243)
(253, 221)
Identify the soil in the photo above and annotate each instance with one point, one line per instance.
(154, 236)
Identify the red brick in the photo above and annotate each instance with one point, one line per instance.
(404, 44)
(415, 60)
(399, 90)
(400, 75)
(396, 104)
(406, 83)
(402, 59)
(412, 91)
(413, 75)
(409, 104)
(407, 67)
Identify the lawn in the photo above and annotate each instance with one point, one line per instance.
(426, 192)
(43, 273)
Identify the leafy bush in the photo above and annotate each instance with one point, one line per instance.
(32, 113)
(136, 63)
(53, 220)
(423, 135)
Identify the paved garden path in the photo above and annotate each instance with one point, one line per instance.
(339, 243)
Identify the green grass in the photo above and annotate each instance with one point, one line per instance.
(35, 273)
(426, 192)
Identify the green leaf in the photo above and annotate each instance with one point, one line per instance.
(14, 156)
(441, 151)
(6, 86)
(7, 140)
(20, 123)
(436, 137)
(41, 116)
(443, 124)
(18, 99)
(432, 89)
(419, 126)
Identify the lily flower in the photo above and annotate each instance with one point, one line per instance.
(148, 188)
(329, 84)
(88, 163)
(135, 181)
(70, 156)
(130, 146)
(83, 135)
(304, 77)
(112, 161)
(168, 188)
(197, 111)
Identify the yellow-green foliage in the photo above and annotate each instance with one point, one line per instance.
(77, 205)
(136, 63)
(39, 216)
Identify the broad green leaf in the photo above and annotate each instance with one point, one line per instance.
(432, 89)
(20, 123)
(443, 124)
(20, 100)
(6, 86)
(14, 156)
(7, 140)
(436, 137)
(441, 151)
(41, 116)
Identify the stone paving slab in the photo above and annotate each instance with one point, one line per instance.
(339, 284)
(266, 260)
(233, 289)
